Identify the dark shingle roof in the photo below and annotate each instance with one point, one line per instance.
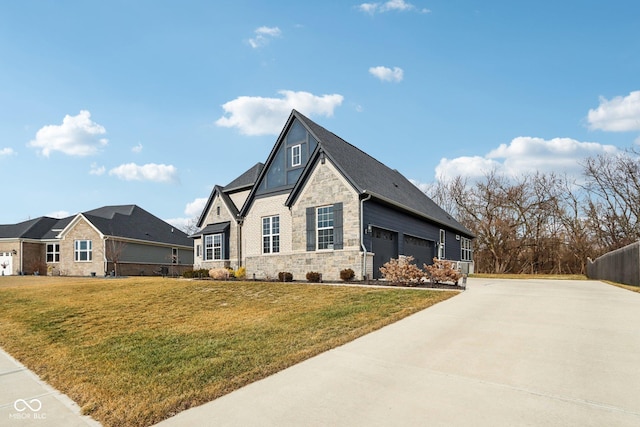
(133, 222)
(246, 180)
(32, 229)
(369, 176)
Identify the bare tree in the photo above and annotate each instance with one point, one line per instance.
(113, 252)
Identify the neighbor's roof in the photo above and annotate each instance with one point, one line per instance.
(35, 228)
(369, 176)
(133, 222)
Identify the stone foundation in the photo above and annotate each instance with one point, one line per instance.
(328, 263)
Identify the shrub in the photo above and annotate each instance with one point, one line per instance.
(285, 276)
(443, 271)
(401, 271)
(313, 277)
(240, 273)
(347, 274)
(203, 272)
(219, 273)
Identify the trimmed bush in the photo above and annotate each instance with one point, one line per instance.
(443, 271)
(240, 273)
(401, 271)
(347, 274)
(285, 276)
(313, 277)
(195, 274)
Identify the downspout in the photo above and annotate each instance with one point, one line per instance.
(364, 248)
(21, 256)
(239, 242)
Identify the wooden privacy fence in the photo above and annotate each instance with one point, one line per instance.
(620, 266)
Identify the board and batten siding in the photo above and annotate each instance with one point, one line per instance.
(381, 216)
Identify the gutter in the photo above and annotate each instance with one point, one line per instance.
(364, 248)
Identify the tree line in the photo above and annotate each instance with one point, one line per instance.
(546, 222)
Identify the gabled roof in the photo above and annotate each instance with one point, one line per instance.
(371, 177)
(243, 182)
(133, 222)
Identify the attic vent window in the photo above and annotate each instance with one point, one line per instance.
(395, 185)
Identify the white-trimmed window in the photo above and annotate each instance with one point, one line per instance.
(296, 155)
(213, 249)
(466, 254)
(271, 234)
(441, 245)
(324, 217)
(83, 250)
(53, 252)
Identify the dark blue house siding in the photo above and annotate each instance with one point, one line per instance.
(386, 217)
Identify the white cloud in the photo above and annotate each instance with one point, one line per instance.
(195, 208)
(620, 114)
(264, 36)
(386, 74)
(137, 148)
(254, 115)
(76, 136)
(6, 152)
(58, 214)
(97, 170)
(389, 6)
(525, 155)
(149, 172)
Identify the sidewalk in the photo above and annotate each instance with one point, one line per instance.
(27, 401)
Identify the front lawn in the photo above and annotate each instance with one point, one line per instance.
(132, 352)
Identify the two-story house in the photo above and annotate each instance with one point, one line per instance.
(321, 204)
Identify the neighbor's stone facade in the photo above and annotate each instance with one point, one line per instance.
(68, 266)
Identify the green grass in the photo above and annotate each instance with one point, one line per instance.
(132, 352)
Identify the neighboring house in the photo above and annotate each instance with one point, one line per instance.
(125, 240)
(320, 204)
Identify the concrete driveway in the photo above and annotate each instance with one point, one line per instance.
(505, 352)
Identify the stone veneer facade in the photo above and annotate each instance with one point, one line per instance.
(326, 186)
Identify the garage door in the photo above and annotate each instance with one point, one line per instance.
(420, 249)
(385, 246)
(6, 263)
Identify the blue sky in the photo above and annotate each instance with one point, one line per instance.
(154, 102)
